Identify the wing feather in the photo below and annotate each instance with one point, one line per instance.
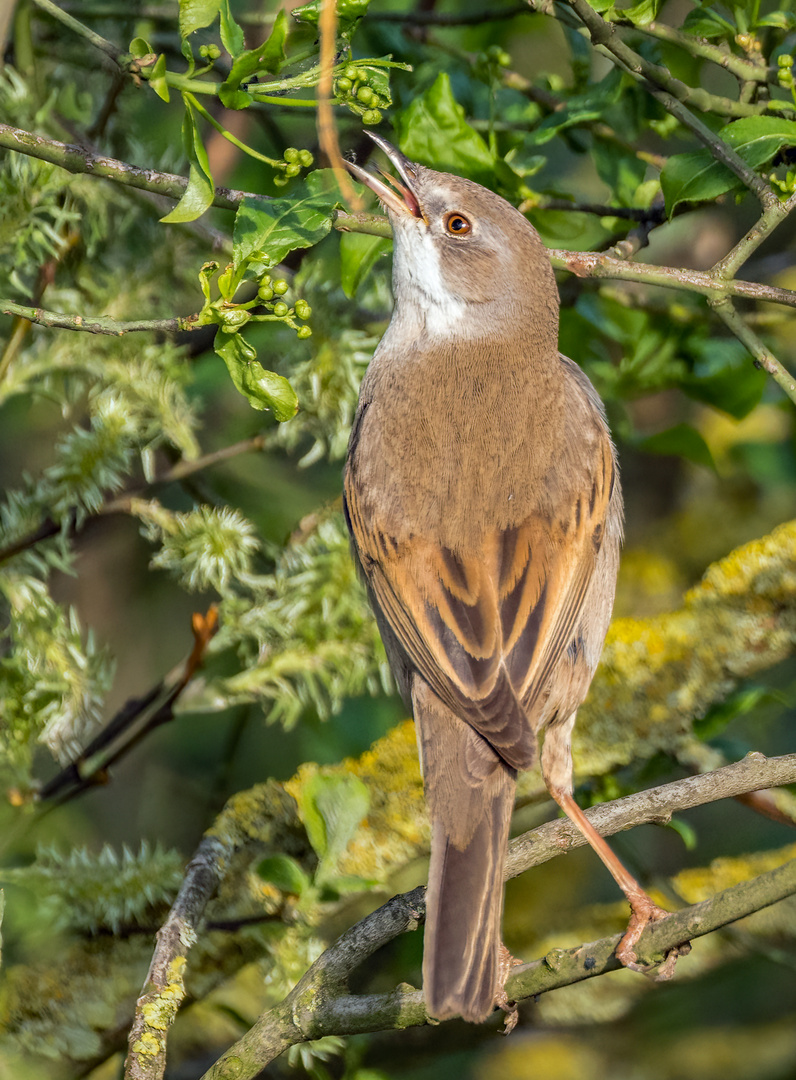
(487, 628)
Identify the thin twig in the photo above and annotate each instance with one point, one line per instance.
(113, 52)
(326, 126)
(762, 356)
(97, 324)
(124, 504)
(133, 722)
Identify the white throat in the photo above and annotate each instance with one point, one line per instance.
(421, 295)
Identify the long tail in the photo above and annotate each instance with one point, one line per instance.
(470, 795)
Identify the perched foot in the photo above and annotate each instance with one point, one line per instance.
(505, 963)
(643, 912)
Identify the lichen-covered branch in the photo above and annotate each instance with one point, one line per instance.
(319, 1004)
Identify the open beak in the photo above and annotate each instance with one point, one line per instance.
(396, 195)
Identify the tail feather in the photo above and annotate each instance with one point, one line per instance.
(470, 794)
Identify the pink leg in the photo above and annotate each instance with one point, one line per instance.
(557, 772)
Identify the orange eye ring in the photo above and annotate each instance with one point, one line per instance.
(457, 224)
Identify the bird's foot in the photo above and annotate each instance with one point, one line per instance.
(643, 912)
(505, 963)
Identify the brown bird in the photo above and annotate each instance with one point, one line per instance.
(483, 500)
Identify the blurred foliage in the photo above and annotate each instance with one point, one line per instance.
(149, 474)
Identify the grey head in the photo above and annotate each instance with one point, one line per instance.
(466, 264)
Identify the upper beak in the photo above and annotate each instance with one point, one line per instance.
(399, 197)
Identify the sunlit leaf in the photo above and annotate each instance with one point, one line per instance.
(263, 389)
(195, 14)
(278, 226)
(699, 177)
(434, 131)
(200, 192)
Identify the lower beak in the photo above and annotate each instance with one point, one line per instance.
(398, 196)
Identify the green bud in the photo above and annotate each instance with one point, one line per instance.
(292, 170)
(351, 72)
(306, 158)
(265, 292)
(280, 287)
(785, 61)
(303, 309)
(343, 85)
(291, 155)
(279, 180)
(210, 52)
(372, 116)
(365, 95)
(280, 308)
(303, 332)
(234, 319)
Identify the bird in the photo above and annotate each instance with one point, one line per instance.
(482, 496)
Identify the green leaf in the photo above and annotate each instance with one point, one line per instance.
(698, 177)
(285, 873)
(642, 13)
(580, 109)
(433, 130)
(267, 59)
(200, 191)
(349, 12)
(263, 389)
(707, 23)
(725, 377)
(157, 80)
(622, 172)
(332, 808)
(682, 440)
(231, 33)
(358, 253)
(139, 48)
(194, 14)
(282, 225)
(739, 703)
(685, 831)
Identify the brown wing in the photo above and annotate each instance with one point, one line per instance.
(485, 628)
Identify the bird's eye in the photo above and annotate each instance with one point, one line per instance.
(457, 224)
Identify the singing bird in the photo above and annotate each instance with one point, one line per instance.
(482, 496)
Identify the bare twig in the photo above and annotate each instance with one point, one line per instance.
(136, 719)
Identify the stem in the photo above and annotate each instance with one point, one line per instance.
(700, 47)
(763, 358)
(228, 134)
(119, 57)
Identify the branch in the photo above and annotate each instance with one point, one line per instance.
(673, 95)
(762, 356)
(705, 50)
(97, 324)
(318, 1005)
(77, 159)
(136, 719)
